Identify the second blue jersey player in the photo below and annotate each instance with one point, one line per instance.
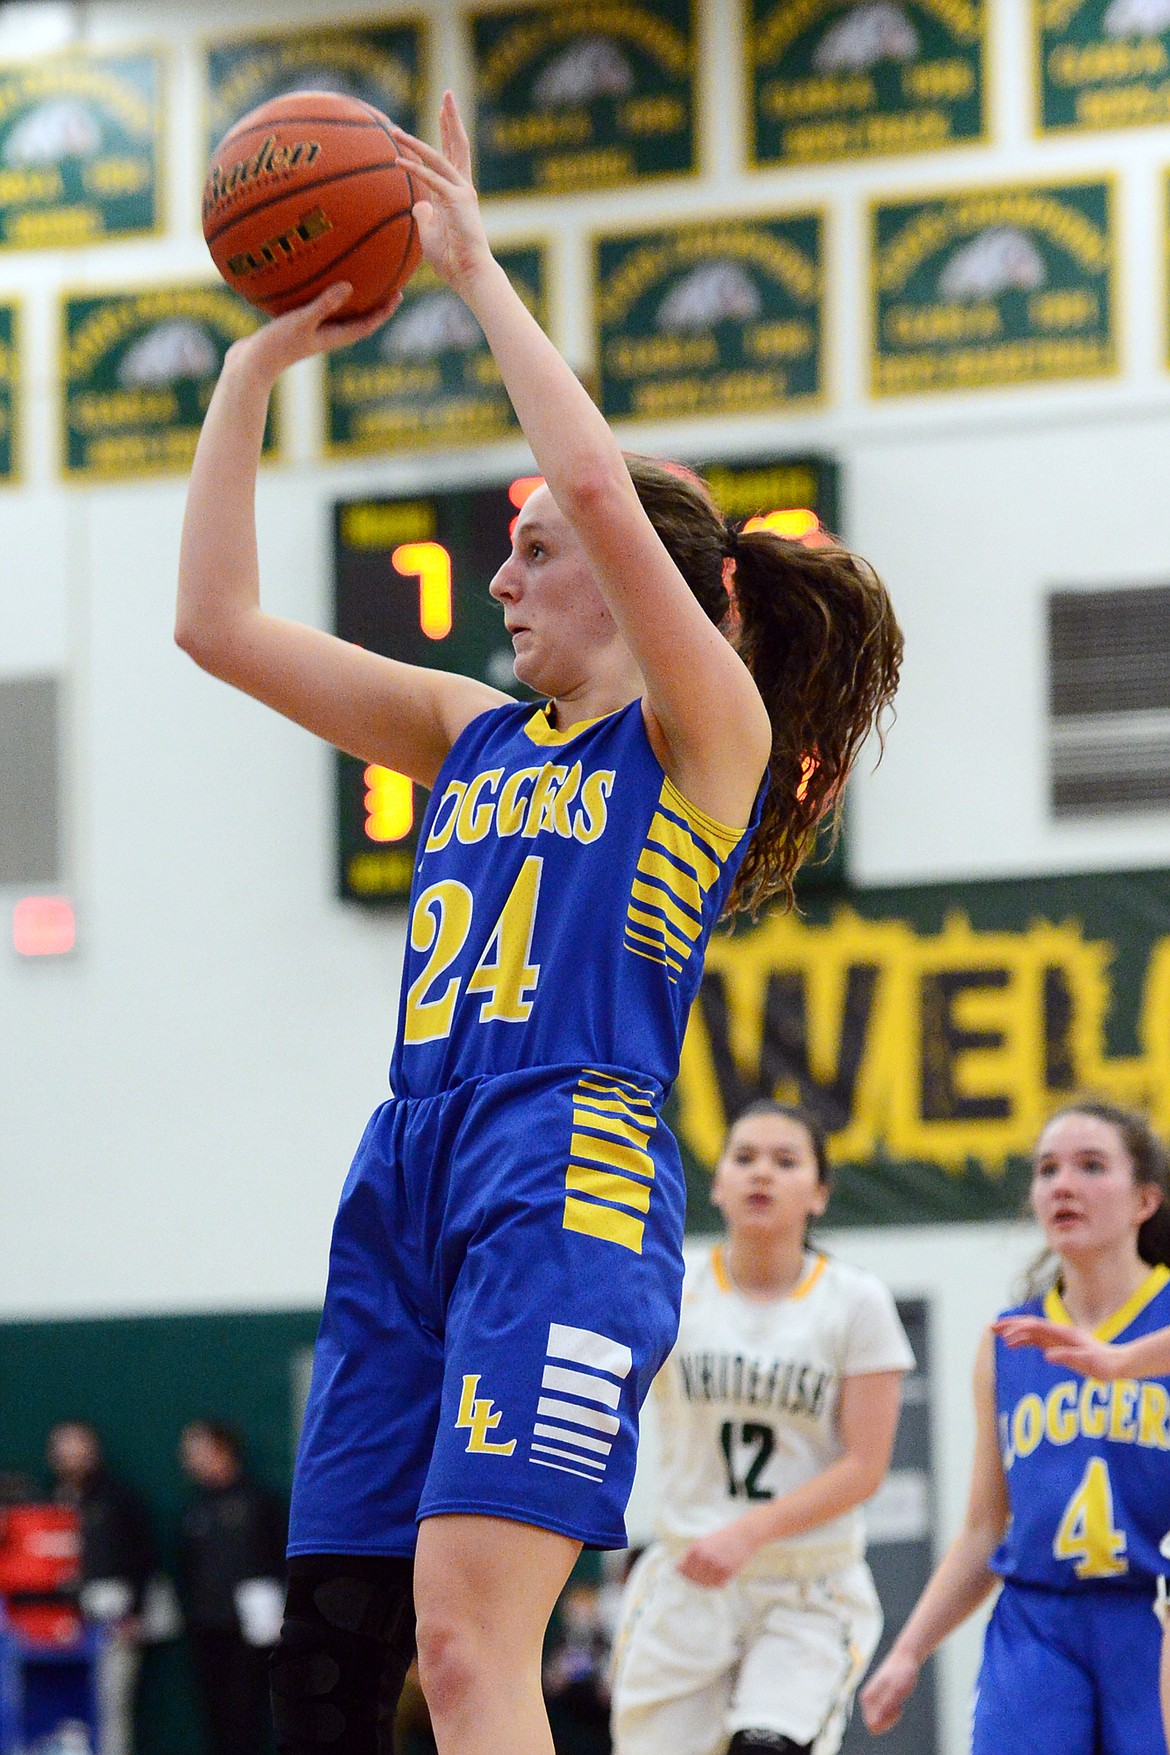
(506, 1264)
(1070, 1492)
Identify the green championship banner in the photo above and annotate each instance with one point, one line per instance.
(380, 63)
(833, 79)
(1101, 63)
(427, 377)
(137, 373)
(720, 317)
(980, 287)
(582, 96)
(80, 149)
(933, 1028)
(9, 390)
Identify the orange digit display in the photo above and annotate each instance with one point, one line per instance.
(389, 804)
(430, 564)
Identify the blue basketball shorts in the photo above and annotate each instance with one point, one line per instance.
(1075, 1672)
(504, 1284)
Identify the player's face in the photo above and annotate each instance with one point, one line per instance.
(767, 1178)
(558, 620)
(1083, 1188)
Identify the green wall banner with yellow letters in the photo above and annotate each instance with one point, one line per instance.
(1101, 63)
(80, 149)
(9, 390)
(137, 373)
(720, 317)
(379, 63)
(1010, 285)
(427, 377)
(933, 1028)
(576, 95)
(831, 79)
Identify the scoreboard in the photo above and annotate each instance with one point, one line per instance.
(411, 576)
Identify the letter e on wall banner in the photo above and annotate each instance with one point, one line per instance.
(933, 1029)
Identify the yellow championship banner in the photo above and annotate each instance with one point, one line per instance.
(427, 377)
(993, 286)
(137, 373)
(831, 79)
(584, 94)
(380, 63)
(1101, 63)
(80, 149)
(720, 316)
(934, 1028)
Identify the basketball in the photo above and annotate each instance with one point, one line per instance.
(308, 189)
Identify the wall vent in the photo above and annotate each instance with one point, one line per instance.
(1109, 700)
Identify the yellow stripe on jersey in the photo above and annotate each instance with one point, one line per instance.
(679, 841)
(679, 883)
(598, 1151)
(720, 837)
(603, 1169)
(625, 1130)
(659, 944)
(606, 1223)
(681, 860)
(604, 1185)
(660, 931)
(658, 898)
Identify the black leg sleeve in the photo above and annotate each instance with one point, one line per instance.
(344, 1650)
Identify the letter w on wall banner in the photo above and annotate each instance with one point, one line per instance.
(933, 1029)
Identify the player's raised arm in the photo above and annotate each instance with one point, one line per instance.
(400, 715)
(713, 724)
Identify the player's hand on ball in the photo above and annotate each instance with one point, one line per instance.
(887, 1691)
(714, 1559)
(453, 239)
(312, 328)
(1062, 1345)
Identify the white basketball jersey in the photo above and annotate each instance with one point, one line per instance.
(747, 1401)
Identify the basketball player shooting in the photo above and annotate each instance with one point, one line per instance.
(506, 1264)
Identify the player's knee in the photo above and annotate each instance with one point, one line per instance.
(337, 1670)
(451, 1661)
(765, 1743)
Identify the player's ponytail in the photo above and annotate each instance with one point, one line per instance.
(816, 628)
(818, 633)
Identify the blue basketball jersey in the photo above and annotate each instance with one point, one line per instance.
(563, 894)
(1087, 1464)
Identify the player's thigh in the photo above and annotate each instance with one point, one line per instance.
(1127, 1640)
(1035, 1689)
(674, 1662)
(810, 1648)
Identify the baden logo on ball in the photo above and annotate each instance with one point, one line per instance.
(306, 190)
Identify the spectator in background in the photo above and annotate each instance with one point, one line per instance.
(117, 1559)
(232, 1586)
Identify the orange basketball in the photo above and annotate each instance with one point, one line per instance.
(308, 189)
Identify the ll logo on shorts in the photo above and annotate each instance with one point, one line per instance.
(478, 1416)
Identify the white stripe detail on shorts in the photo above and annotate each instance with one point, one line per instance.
(553, 1410)
(541, 1464)
(584, 1347)
(582, 1383)
(601, 1445)
(569, 1456)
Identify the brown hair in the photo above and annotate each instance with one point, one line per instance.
(1151, 1168)
(816, 628)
